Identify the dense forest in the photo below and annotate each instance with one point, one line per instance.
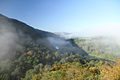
(31, 54)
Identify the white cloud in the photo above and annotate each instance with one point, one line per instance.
(112, 29)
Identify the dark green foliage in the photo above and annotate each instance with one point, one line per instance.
(4, 77)
(29, 74)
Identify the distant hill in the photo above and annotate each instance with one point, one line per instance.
(66, 35)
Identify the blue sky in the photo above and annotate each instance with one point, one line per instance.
(62, 15)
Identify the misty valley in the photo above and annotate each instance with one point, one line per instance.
(27, 53)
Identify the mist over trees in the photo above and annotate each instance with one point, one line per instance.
(31, 54)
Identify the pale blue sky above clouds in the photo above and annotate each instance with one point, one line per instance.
(62, 15)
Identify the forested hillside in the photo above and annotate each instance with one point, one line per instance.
(102, 47)
(31, 54)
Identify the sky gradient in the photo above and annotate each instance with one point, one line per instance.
(63, 15)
